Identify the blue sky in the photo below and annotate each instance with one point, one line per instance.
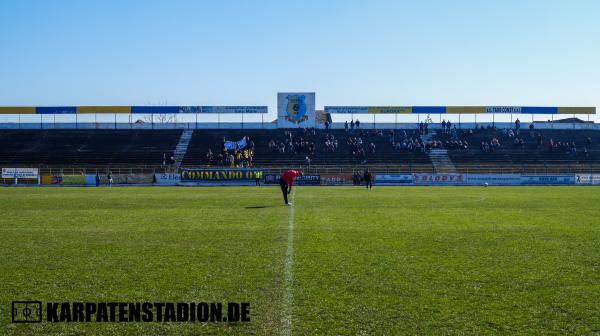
(231, 52)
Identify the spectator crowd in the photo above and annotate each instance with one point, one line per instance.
(240, 155)
(361, 145)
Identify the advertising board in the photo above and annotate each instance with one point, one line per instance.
(22, 173)
(300, 180)
(493, 179)
(393, 178)
(167, 178)
(548, 179)
(439, 179)
(590, 179)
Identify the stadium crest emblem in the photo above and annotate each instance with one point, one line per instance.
(296, 109)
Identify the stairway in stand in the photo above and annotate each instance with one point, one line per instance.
(439, 157)
(182, 146)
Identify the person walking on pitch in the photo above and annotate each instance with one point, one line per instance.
(286, 182)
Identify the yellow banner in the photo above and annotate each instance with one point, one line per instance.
(103, 109)
(50, 179)
(390, 109)
(576, 110)
(17, 110)
(465, 109)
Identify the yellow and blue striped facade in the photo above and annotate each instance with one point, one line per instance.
(458, 110)
(130, 109)
(328, 109)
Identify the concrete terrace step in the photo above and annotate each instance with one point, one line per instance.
(441, 161)
(182, 146)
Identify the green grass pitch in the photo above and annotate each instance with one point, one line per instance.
(394, 260)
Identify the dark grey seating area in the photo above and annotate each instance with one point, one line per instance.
(134, 148)
(86, 147)
(531, 152)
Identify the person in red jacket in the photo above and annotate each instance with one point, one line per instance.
(286, 182)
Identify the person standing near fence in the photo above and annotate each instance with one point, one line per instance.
(257, 178)
(368, 177)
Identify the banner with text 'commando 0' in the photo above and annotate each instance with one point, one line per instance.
(220, 175)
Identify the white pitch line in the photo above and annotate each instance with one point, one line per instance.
(481, 199)
(288, 294)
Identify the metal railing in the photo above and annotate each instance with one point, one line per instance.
(557, 167)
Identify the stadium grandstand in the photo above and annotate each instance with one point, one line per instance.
(151, 141)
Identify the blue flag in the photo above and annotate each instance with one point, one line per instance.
(242, 143)
(231, 145)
